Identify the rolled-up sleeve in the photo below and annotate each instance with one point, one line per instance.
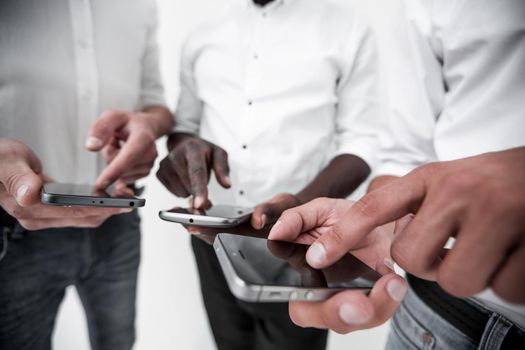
(152, 89)
(189, 105)
(412, 74)
(358, 108)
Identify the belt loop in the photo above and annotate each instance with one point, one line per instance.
(495, 333)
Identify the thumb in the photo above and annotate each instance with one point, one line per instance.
(103, 129)
(21, 180)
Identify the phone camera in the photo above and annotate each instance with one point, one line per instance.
(191, 221)
(131, 204)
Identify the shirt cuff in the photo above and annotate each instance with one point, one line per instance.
(394, 169)
(365, 150)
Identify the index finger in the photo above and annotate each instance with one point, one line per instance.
(377, 208)
(132, 152)
(198, 173)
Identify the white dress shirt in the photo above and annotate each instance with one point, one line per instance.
(62, 63)
(456, 71)
(283, 89)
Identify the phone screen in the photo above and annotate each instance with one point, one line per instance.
(84, 191)
(219, 211)
(262, 262)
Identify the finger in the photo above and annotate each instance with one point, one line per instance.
(306, 217)
(221, 167)
(198, 174)
(417, 248)
(171, 181)
(350, 311)
(21, 179)
(137, 145)
(401, 224)
(386, 204)
(479, 250)
(103, 129)
(43, 211)
(270, 211)
(259, 217)
(509, 281)
(168, 176)
(85, 222)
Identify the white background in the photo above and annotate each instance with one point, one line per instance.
(170, 312)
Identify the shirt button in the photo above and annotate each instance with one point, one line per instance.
(241, 192)
(250, 103)
(255, 56)
(244, 146)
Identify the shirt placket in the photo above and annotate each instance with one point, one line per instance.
(86, 85)
(252, 64)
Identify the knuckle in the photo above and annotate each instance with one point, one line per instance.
(401, 253)
(366, 207)
(453, 283)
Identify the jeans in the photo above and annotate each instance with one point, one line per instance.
(102, 264)
(238, 325)
(416, 326)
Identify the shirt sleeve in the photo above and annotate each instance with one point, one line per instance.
(412, 74)
(358, 108)
(152, 89)
(189, 106)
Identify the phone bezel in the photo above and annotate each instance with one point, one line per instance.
(263, 293)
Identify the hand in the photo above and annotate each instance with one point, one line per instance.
(186, 170)
(479, 200)
(351, 310)
(21, 181)
(269, 212)
(127, 142)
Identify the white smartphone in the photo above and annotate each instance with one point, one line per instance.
(259, 270)
(217, 216)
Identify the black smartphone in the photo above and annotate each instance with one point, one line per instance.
(87, 196)
(217, 216)
(259, 270)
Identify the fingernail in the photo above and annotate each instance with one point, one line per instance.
(352, 315)
(228, 180)
(21, 192)
(389, 263)
(93, 142)
(316, 254)
(396, 289)
(263, 220)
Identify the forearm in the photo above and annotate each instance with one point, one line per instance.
(160, 119)
(381, 181)
(338, 180)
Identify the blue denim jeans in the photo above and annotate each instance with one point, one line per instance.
(101, 263)
(416, 326)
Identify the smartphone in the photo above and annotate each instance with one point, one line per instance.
(219, 216)
(87, 196)
(259, 270)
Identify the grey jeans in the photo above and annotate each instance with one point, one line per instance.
(416, 326)
(101, 263)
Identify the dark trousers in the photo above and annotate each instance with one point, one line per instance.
(101, 263)
(245, 326)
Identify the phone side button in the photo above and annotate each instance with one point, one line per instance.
(309, 295)
(294, 296)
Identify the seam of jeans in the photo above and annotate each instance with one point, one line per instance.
(495, 333)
